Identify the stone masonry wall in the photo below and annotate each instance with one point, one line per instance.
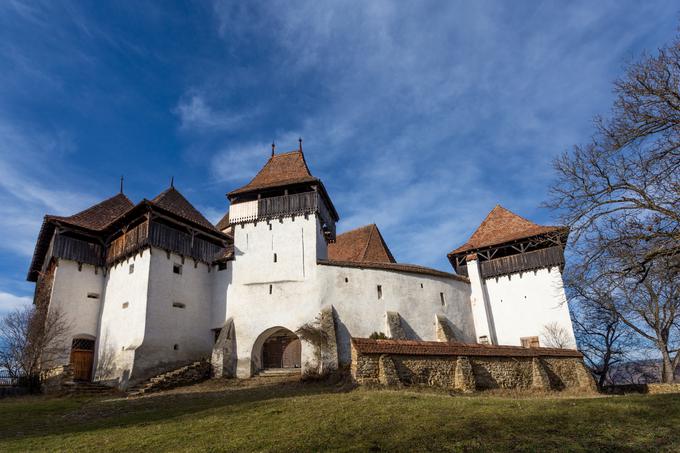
(469, 372)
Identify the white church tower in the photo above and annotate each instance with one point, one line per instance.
(281, 222)
(515, 271)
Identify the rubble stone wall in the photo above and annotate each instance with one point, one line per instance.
(473, 372)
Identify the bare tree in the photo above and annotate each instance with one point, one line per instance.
(624, 186)
(620, 194)
(31, 341)
(601, 336)
(555, 336)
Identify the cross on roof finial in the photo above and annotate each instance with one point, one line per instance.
(121, 183)
(172, 182)
(300, 141)
(273, 147)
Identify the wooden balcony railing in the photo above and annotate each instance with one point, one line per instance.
(78, 250)
(163, 237)
(522, 262)
(282, 206)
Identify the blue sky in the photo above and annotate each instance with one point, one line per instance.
(418, 116)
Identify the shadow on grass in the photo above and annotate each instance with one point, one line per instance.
(67, 415)
(389, 420)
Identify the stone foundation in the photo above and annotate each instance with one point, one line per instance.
(467, 367)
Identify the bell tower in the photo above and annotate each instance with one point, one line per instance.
(282, 220)
(515, 271)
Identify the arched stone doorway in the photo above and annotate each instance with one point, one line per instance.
(280, 349)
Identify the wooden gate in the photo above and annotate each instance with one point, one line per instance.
(82, 358)
(282, 350)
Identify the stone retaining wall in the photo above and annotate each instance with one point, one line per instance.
(463, 367)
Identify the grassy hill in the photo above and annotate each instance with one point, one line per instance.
(290, 416)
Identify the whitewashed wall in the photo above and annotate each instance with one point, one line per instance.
(415, 297)
(166, 325)
(121, 330)
(300, 289)
(523, 304)
(294, 293)
(69, 296)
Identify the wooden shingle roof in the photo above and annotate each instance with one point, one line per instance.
(501, 226)
(363, 244)
(99, 216)
(174, 202)
(223, 223)
(280, 170)
(94, 219)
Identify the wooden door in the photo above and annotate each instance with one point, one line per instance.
(292, 354)
(82, 358)
(281, 351)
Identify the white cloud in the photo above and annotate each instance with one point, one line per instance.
(423, 117)
(196, 115)
(32, 184)
(10, 302)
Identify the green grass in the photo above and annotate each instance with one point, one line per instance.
(236, 416)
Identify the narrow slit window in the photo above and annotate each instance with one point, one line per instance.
(441, 299)
(380, 294)
(179, 305)
(177, 268)
(131, 269)
(270, 289)
(126, 305)
(275, 258)
(93, 295)
(346, 280)
(175, 347)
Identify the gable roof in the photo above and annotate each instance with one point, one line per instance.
(223, 223)
(174, 202)
(363, 244)
(501, 226)
(280, 170)
(98, 216)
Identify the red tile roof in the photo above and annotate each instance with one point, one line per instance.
(99, 216)
(501, 226)
(412, 347)
(280, 170)
(363, 244)
(174, 202)
(394, 267)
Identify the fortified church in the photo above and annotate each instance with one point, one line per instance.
(151, 286)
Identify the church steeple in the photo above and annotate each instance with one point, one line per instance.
(289, 187)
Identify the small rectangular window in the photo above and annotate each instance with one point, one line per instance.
(126, 305)
(441, 299)
(270, 289)
(380, 292)
(177, 268)
(484, 339)
(275, 258)
(178, 305)
(530, 342)
(131, 269)
(93, 295)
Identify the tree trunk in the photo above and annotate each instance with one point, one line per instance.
(667, 372)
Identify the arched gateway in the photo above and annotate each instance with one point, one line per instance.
(277, 348)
